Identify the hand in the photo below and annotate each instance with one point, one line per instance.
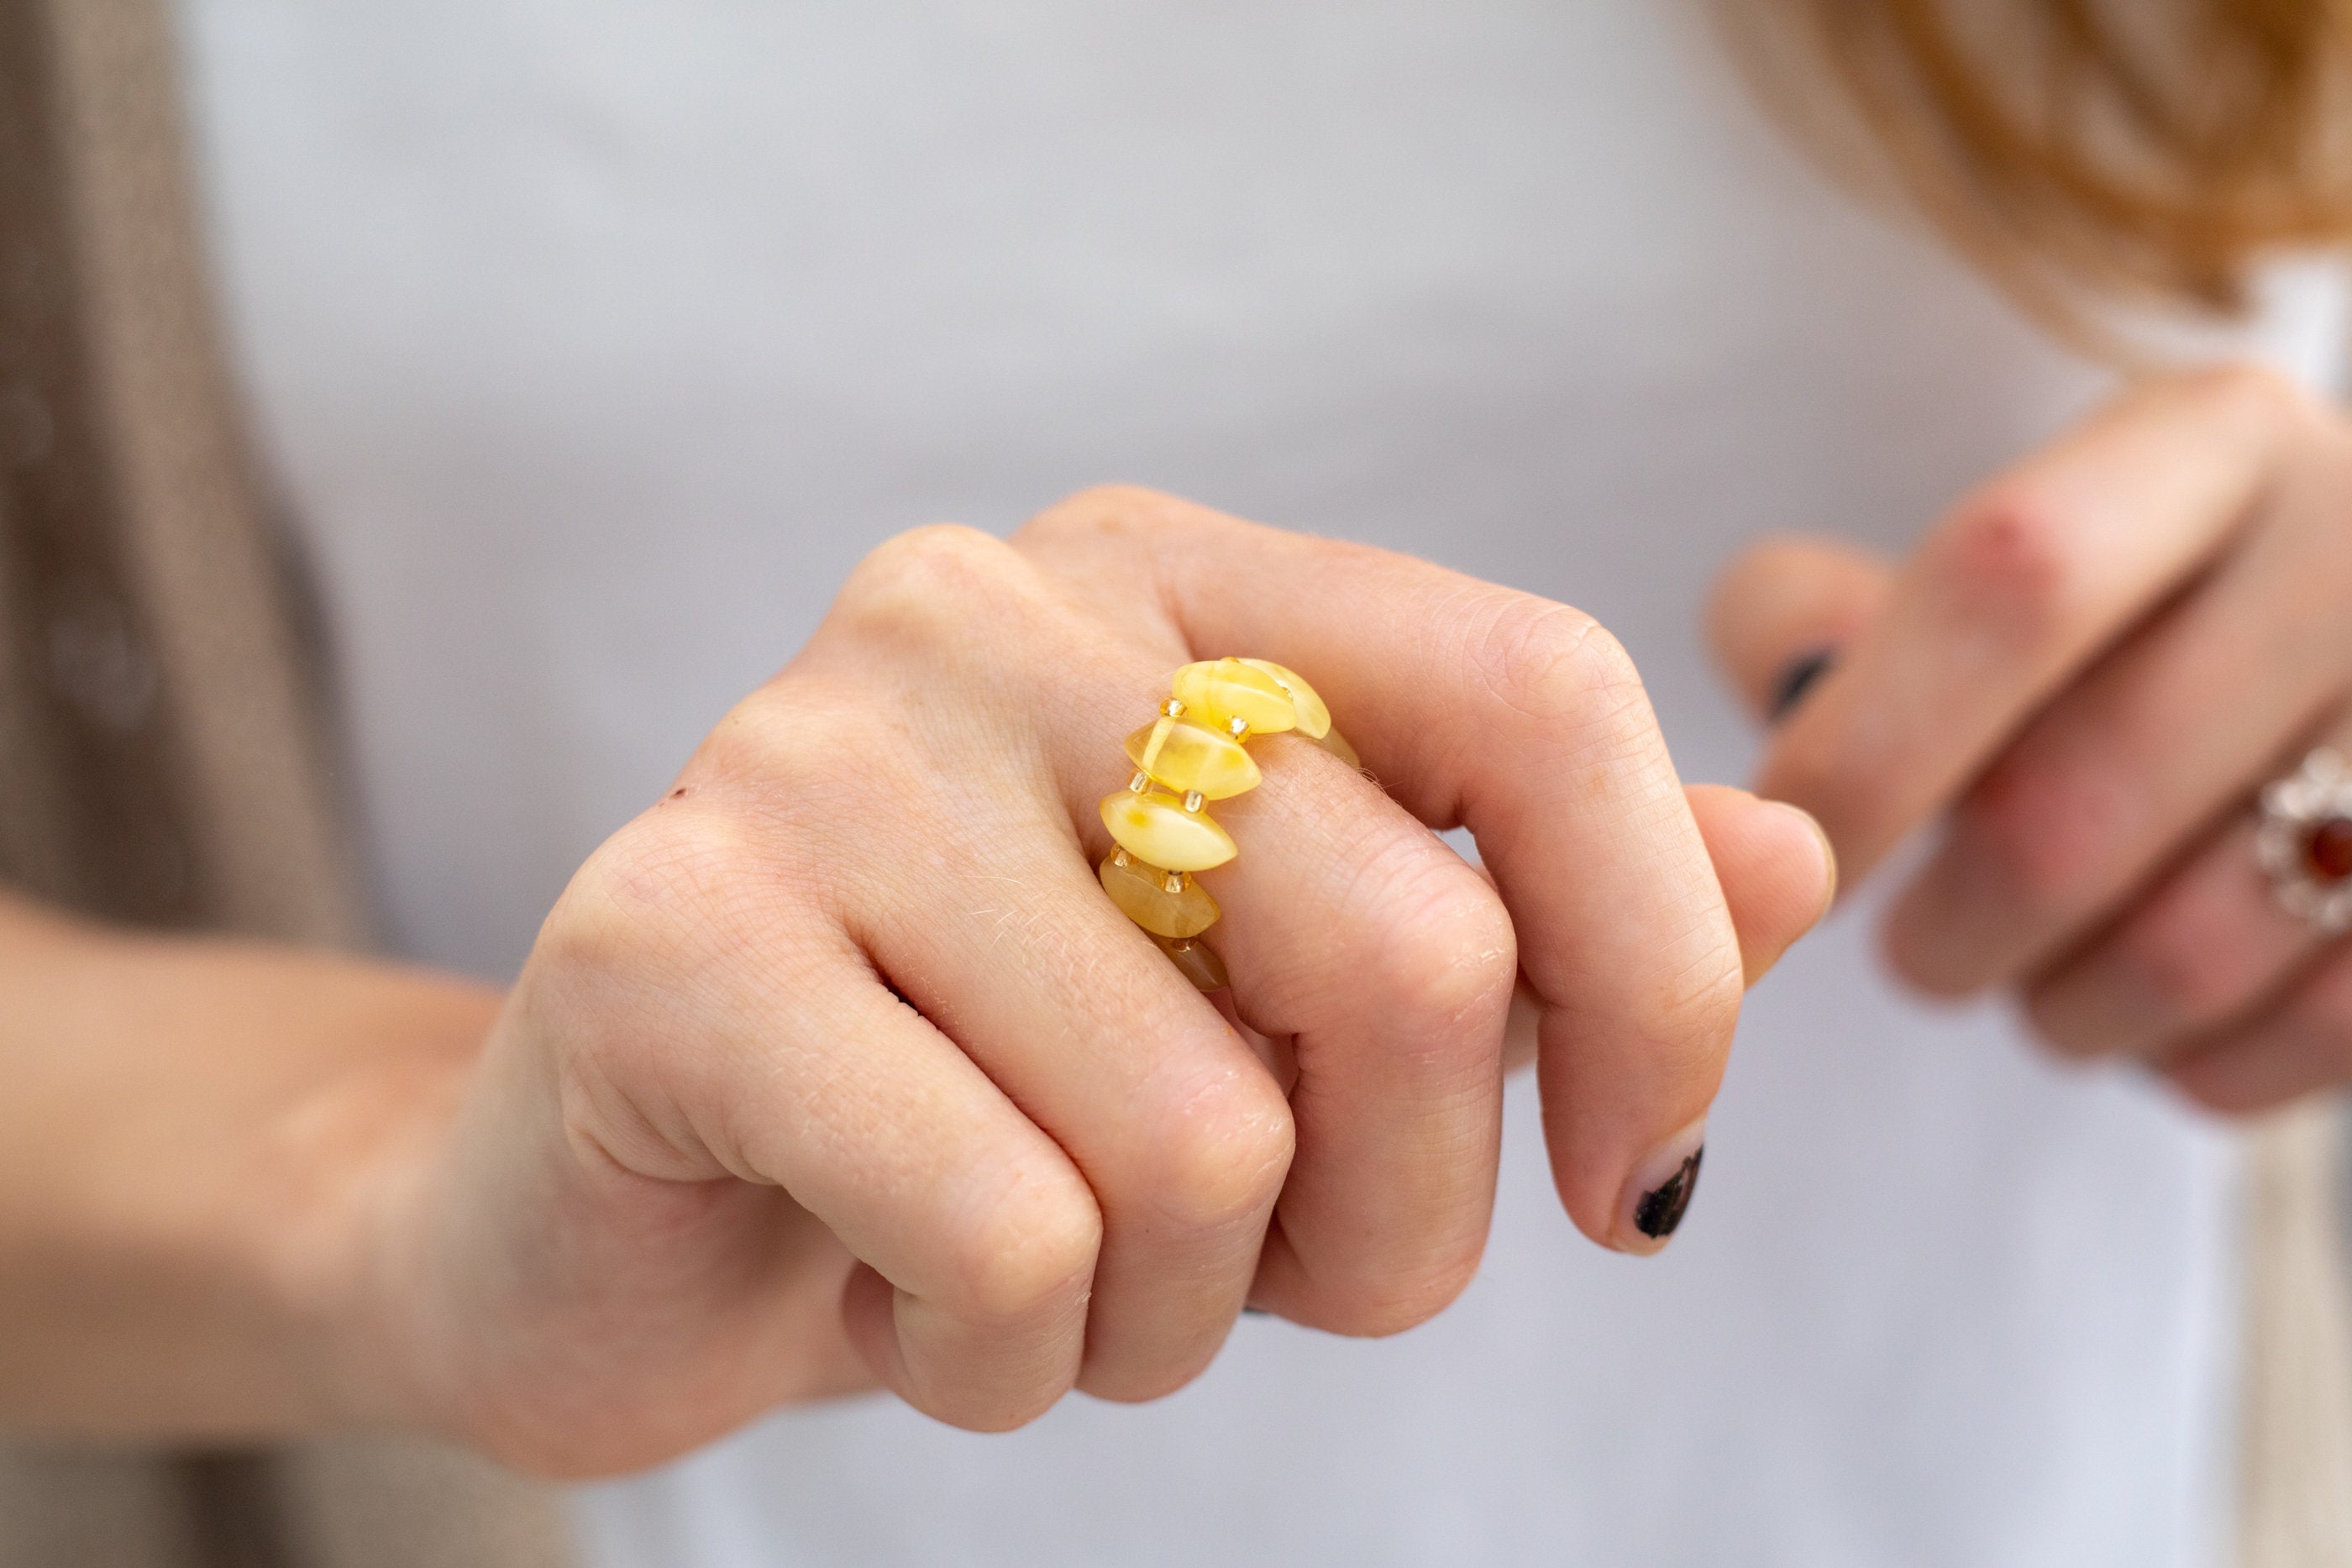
(838, 1066)
(2091, 667)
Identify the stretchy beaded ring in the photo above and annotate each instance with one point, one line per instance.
(1190, 755)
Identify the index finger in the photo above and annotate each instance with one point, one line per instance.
(2026, 582)
(1526, 722)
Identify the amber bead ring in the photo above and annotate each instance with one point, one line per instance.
(2304, 841)
(1192, 754)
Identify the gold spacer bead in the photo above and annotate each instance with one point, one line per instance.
(1172, 709)
(1172, 883)
(1139, 783)
(1239, 728)
(1194, 799)
(1120, 858)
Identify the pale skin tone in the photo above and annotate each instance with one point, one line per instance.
(2086, 673)
(703, 1162)
(836, 1069)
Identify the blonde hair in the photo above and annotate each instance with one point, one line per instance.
(2087, 149)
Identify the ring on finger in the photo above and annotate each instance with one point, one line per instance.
(2304, 841)
(1192, 754)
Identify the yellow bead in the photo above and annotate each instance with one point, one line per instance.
(1142, 893)
(1184, 756)
(1221, 690)
(1155, 828)
(1198, 961)
(1314, 718)
(1332, 741)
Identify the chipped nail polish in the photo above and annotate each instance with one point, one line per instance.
(1662, 1208)
(1801, 676)
(1658, 1193)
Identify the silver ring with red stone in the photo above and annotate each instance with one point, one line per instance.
(2304, 841)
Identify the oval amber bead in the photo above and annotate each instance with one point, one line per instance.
(1198, 962)
(1222, 690)
(1314, 718)
(1142, 893)
(1155, 828)
(1186, 756)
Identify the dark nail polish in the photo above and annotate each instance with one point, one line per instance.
(1255, 1313)
(1663, 1206)
(1802, 675)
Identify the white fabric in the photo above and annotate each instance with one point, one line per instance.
(596, 341)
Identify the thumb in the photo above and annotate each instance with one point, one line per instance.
(1782, 610)
(1777, 870)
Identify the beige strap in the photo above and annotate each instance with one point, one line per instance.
(381, 1503)
(201, 573)
(160, 755)
(2296, 1436)
(65, 1510)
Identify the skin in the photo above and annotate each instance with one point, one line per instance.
(837, 1068)
(2085, 674)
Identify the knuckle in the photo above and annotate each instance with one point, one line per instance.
(1218, 1161)
(755, 737)
(647, 888)
(1448, 957)
(653, 914)
(1558, 666)
(1106, 510)
(1030, 1255)
(2012, 562)
(925, 582)
(780, 749)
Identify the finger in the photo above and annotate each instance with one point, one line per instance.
(1182, 1135)
(1388, 962)
(1377, 965)
(1526, 722)
(2304, 1045)
(1003, 937)
(1782, 609)
(721, 1049)
(2022, 584)
(2205, 947)
(1777, 890)
(2139, 758)
(1777, 871)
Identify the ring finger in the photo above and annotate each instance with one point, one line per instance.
(2209, 943)
(1178, 1128)
(2302, 1044)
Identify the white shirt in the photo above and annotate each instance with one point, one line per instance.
(595, 341)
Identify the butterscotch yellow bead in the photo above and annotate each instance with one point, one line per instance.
(1185, 756)
(1198, 962)
(1142, 893)
(1219, 691)
(1314, 718)
(1155, 828)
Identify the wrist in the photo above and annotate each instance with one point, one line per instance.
(343, 1209)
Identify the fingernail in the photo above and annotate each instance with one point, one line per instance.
(1829, 856)
(1660, 1193)
(1799, 676)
